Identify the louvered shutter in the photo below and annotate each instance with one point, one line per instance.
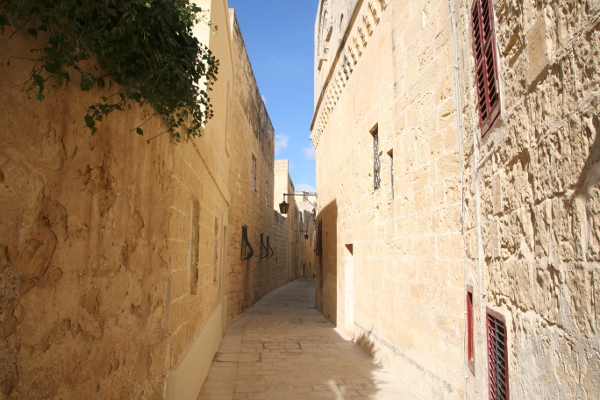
(486, 65)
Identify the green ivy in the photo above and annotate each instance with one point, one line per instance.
(146, 47)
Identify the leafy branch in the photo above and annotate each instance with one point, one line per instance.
(144, 46)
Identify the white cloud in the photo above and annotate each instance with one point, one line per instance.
(264, 99)
(304, 187)
(309, 152)
(281, 142)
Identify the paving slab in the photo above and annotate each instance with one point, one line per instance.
(283, 348)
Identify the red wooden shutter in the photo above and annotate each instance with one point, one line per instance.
(486, 65)
(497, 356)
(470, 348)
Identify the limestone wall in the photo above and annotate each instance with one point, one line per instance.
(117, 256)
(84, 253)
(284, 184)
(534, 180)
(252, 204)
(333, 20)
(199, 204)
(391, 269)
(306, 226)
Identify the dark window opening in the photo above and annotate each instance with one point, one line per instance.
(391, 154)
(254, 174)
(194, 244)
(319, 242)
(497, 356)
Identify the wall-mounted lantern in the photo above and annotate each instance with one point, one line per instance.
(284, 206)
(305, 234)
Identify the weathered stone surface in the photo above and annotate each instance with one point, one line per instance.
(402, 281)
(544, 151)
(114, 253)
(529, 243)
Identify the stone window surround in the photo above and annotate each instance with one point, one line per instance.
(376, 158)
(470, 336)
(193, 247)
(254, 188)
(486, 63)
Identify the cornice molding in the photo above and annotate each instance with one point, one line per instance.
(348, 54)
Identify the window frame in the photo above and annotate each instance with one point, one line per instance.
(254, 187)
(470, 331)
(391, 155)
(319, 239)
(486, 63)
(267, 193)
(194, 248)
(376, 158)
(494, 369)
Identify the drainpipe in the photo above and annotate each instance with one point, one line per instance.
(477, 165)
(462, 171)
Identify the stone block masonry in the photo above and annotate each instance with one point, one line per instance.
(120, 260)
(457, 152)
(533, 175)
(388, 179)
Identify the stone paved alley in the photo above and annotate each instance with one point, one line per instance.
(283, 348)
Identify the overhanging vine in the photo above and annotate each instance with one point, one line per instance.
(146, 47)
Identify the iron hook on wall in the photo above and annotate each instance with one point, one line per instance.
(269, 248)
(263, 246)
(248, 246)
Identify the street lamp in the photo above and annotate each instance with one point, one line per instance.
(305, 234)
(284, 206)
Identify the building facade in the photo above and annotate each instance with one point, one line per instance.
(390, 262)
(121, 262)
(456, 169)
(306, 234)
(530, 158)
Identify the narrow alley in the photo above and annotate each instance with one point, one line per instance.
(283, 348)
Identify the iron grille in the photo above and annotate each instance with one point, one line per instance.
(484, 49)
(497, 357)
(267, 193)
(376, 161)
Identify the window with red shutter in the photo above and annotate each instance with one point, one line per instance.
(497, 356)
(470, 348)
(486, 65)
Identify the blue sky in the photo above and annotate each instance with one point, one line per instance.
(279, 38)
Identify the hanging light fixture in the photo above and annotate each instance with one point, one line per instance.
(285, 207)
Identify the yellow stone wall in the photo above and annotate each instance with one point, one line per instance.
(200, 174)
(84, 245)
(392, 264)
(533, 199)
(117, 256)
(306, 226)
(252, 135)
